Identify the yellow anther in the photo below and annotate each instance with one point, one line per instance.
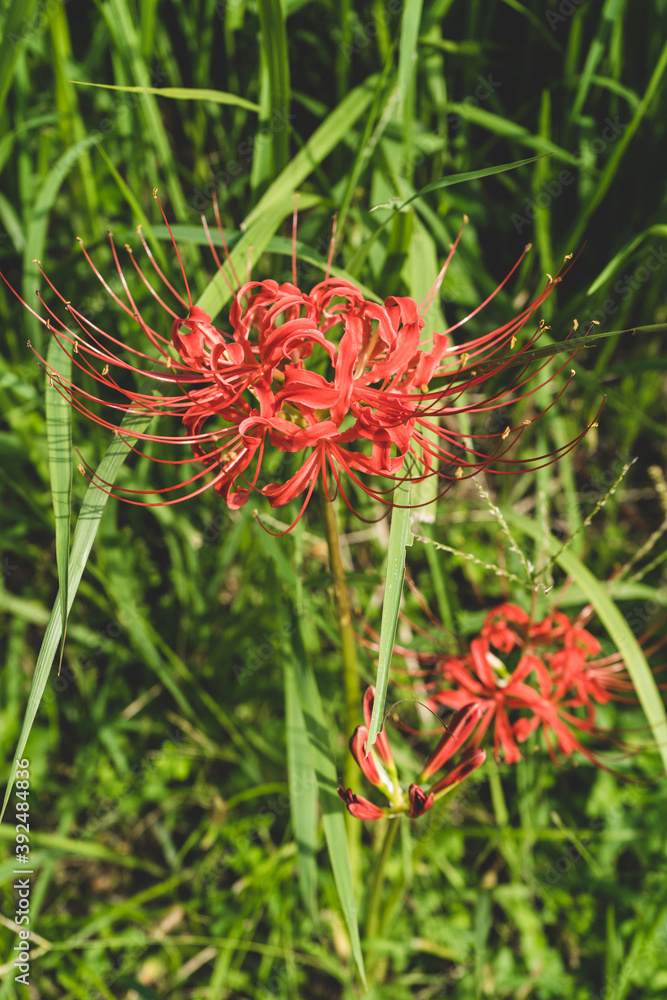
(459, 473)
(105, 370)
(505, 434)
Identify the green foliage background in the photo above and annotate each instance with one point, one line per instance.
(160, 814)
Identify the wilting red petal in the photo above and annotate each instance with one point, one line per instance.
(470, 761)
(420, 802)
(460, 728)
(358, 742)
(360, 807)
(381, 743)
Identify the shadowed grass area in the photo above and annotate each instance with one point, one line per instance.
(175, 835)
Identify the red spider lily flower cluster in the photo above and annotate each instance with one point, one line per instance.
(379, 767)
(349, 384)
(557, 682)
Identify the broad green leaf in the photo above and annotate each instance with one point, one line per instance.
(180, 94)
(400, 536)
(619, 631)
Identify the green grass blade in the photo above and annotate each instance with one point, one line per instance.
(251, 246)
(12, 36)
(623, 254)
(84, 536)
(39, 221)
(303, 792)
(618, 629)
(180, 94)
(611, 169)
(126, 38)
(72, 125)
(400, 536)
(470, 175)
(274, 46)
(327, 779)
(59, 437)
(322, 141)
(609, 12)
(135, 205)
(407, 59)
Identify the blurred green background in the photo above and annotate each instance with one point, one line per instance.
(160, 820)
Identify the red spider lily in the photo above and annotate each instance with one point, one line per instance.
(348, 383)
(556, 675)
(379, 768)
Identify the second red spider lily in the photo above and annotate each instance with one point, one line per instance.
(379, 767)
(555, 684)
(345, 383)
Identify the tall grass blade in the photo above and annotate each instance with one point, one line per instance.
(180, 94)
(274, 46)
(303, 792)
(400, 536)
(322, 141)
(59, 438)
(13, 35)
(39, 220)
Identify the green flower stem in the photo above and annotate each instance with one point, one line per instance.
(373, 913)
(352, 688)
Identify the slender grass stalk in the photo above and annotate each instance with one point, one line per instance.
(373, 914)
(351, 686)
